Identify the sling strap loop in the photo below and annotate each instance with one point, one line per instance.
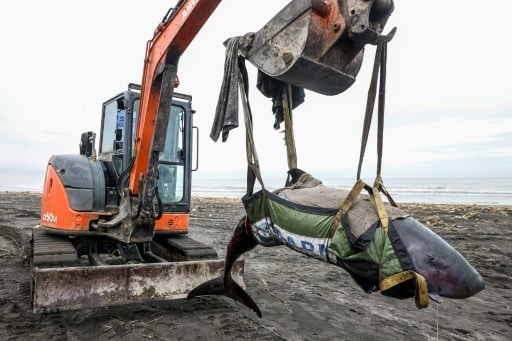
(381, 106)
(379, 207)
(378, 187)
(370, 103)
(421, 295)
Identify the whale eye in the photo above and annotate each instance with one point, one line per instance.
(431, 259)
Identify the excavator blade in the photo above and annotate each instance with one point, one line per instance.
(91, 271)
(70, 288)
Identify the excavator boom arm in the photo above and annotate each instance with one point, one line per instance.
(170, 40)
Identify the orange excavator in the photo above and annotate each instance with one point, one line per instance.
(114, 222)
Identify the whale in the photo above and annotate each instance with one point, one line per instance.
(443, 271)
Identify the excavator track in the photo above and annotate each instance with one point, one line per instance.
(169, 267)
(52, 250)
(189, 248)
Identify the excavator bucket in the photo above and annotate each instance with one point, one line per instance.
(61, 281)
(317, 44)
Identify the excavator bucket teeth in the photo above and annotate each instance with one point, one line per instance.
(310, 44)
(70, 288)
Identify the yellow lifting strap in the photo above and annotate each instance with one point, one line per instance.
(346, 204)
(378, 204)
(378, 187)
(421, 295)
(376, 200)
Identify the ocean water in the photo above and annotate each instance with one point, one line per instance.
(468, 191)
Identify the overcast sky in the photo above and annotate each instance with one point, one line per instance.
(449, 92)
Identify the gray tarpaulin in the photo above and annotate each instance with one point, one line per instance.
(226, 113)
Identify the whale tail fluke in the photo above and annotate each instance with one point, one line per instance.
(225, 286)
(241, 242)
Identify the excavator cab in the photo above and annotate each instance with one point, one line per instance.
(116, 145)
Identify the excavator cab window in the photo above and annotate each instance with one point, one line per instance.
(117, 142)
(172, 160)
(117, 130)
(111, 143)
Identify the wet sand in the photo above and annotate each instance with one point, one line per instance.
(300, 298)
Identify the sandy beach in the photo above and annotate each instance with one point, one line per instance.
(300, 298)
